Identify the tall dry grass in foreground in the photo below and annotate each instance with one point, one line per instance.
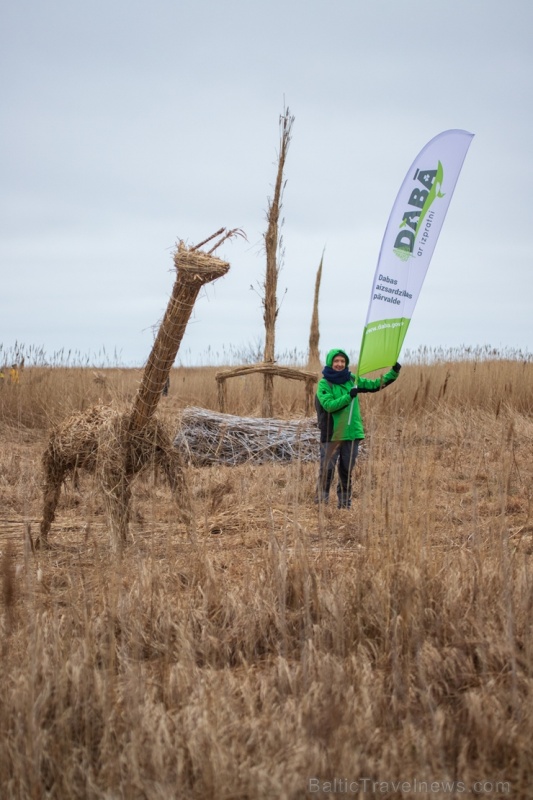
(285, 647)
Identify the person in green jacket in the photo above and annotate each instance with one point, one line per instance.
(341, 426)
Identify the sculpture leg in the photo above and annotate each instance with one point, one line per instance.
(117, 496)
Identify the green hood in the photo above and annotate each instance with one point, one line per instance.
(336, 352)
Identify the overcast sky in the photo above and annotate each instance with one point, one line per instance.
(127, 126)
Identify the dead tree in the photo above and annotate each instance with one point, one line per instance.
(273, 248)
(273, 245)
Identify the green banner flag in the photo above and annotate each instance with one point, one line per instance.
(408, 244)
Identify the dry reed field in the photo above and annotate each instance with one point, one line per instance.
(274, 649)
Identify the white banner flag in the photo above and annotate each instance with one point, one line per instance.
(408, 244)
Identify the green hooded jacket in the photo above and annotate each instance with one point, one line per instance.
(336, 401)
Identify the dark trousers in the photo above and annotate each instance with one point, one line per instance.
(341, 455)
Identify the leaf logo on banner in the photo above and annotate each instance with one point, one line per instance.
(421, 199)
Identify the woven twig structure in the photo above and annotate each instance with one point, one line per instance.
(194, 269)
(270, 369)
(116, 445)
(101, 442)
(206, 437)
(313, 361)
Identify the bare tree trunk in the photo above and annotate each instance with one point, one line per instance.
(272, 242)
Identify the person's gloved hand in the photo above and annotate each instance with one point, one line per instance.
(397, 367)
(354, 392)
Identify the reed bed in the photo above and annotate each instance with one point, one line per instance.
(286, 646)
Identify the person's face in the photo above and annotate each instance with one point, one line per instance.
(338, 363)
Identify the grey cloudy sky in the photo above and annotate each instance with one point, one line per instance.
(129, 125)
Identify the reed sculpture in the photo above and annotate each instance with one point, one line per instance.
(116, 444)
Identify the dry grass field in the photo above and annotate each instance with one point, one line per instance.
(277, 651)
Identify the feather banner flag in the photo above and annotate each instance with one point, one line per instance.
(408, 244)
